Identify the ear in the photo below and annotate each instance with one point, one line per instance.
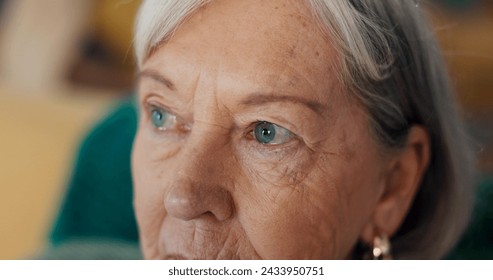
(401, 182)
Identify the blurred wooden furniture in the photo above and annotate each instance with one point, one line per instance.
(467, 41)
(38, 40)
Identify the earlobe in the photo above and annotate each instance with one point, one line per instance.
(402, 181)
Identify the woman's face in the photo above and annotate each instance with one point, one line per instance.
(248, 147)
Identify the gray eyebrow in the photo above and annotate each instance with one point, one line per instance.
(254, 99)
(258, 99)
(157, 77)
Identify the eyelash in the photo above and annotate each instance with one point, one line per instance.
(150, 107)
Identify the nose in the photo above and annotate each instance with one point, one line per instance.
(199, 188)
(188, 200)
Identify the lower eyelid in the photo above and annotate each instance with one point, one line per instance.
(293, 141)
(277, 151)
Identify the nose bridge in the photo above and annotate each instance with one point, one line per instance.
(210, 131)
(199, 185)
(208, 150)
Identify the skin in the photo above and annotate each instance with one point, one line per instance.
(206, 189)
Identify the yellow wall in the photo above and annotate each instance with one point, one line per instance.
(38, 138)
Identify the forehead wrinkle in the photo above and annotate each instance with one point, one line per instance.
(156, 76)
(227, 37)
(210, 110)
(229, 29)
(219, 53)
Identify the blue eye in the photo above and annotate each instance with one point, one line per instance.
(272, 134)
(163, 120)
(158, 118)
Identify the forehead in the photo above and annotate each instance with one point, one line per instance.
(263, 40)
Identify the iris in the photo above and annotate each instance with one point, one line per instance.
(158, 118)
(269, 133)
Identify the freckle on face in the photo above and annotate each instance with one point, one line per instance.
(214, 192)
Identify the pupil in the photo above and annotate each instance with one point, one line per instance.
(265, 132)
(157, 118)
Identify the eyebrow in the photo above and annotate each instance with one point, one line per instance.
(258, 99)
(157, 77)
(255, 99)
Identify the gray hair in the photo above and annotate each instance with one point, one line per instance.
(391, 63)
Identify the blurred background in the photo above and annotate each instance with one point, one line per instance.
(65, 63)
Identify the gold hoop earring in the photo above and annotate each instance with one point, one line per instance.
(381, 248)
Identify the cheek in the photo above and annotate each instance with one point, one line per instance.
(308, 206)
(293, 227)
(289, 208)
(275, 170)
(146, 172)
(148, 193)
(151, 166)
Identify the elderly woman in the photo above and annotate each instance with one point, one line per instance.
(315, 129)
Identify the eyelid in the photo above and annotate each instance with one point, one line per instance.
(162, 101)
(250, 135)
(250, 118)
(150, 105)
